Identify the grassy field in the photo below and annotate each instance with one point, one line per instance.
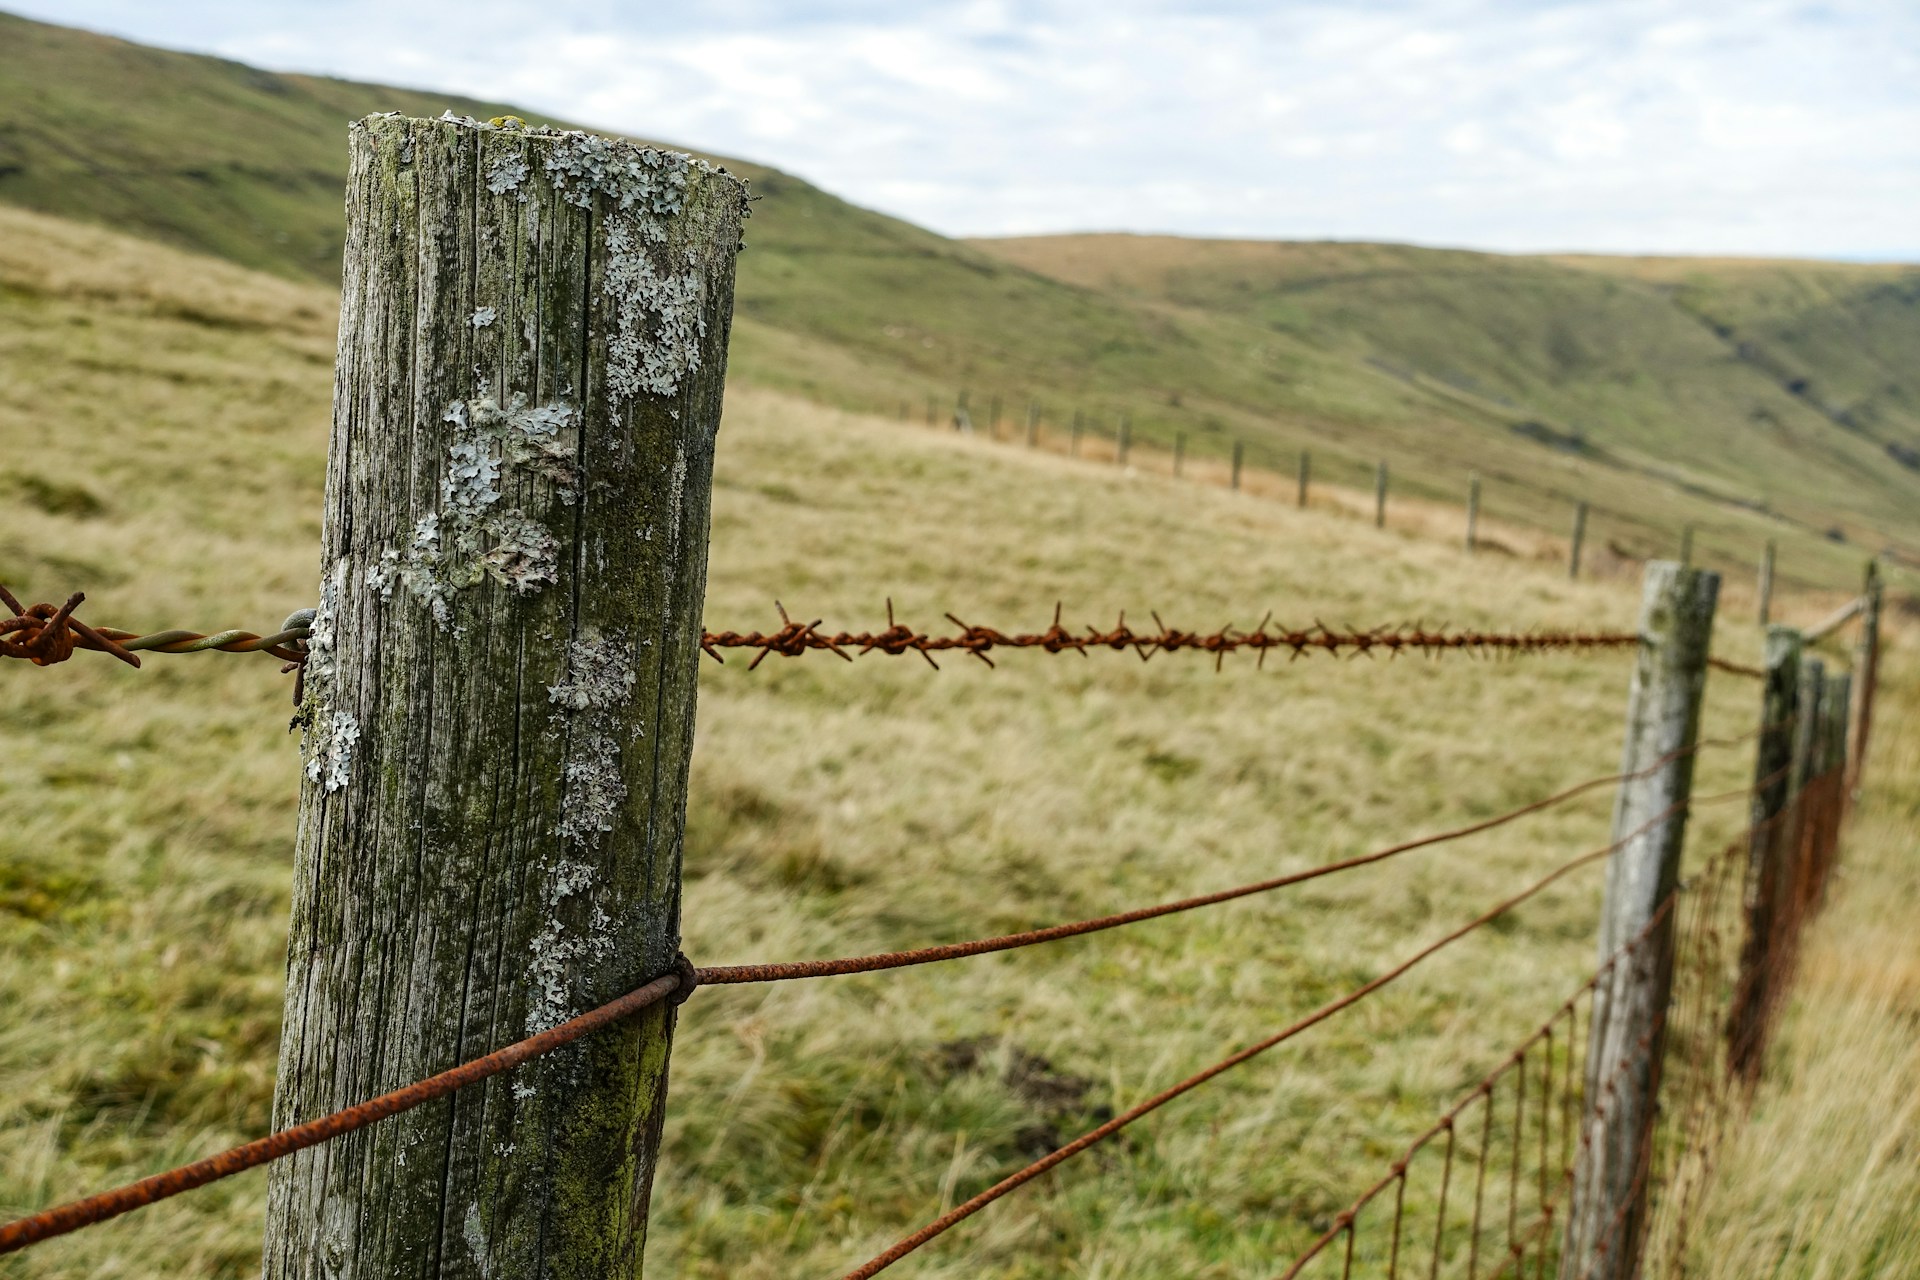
(1754, 401)
(1825, 1181)
(162, 429)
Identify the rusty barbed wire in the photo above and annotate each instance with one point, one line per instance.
(47, 635)
(794, 639)
(53, 634)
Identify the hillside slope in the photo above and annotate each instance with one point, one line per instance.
(1791, 386)
(1752, 401)
(166, 421)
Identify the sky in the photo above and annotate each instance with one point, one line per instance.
(1759, 127)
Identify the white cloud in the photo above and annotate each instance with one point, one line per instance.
(1757, 126)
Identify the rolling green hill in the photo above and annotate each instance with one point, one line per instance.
(1753, 401)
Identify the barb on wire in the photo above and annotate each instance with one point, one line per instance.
(47, 635)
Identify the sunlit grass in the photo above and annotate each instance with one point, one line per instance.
(149, 816)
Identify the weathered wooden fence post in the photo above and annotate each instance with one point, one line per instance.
(1607, 1218)
(499, 695)
(1473, 509)
(1578, 539)
(1766, 583)
(1239, 456)
(1837, 703)
(1809, 716)
(1866, 662)
(1033, 424)
(1769, 852)
(1179, 453)
(1380, 494)
(1125, 441)
(962, 418)
(1306, 477)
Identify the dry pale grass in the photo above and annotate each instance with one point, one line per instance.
(1824, 1181)
(174, 460)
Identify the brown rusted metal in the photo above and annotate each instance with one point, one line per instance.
(793, 639)
(960, 1213)
(48, 633)
(66, 1218)
(725, 975)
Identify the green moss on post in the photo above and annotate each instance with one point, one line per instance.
(500, 694)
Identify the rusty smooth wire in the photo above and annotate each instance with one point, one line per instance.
(717, 975)
(961, 1212)
(1448, 1121)
(62, 1219)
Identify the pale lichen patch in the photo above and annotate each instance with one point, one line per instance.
(657, 320)
(330, 748)
(506, 174)
(632, 176)
(474, 535)
(558, 954)
(476, 1239)
(596, 684)
(329, 735)
(484, 317)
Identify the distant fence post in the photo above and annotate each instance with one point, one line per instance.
(1837, 702)
(1866, 662)
(1380, 494)
(1125, 441)
(1473, 509)
(1179, 453)
(1806, 738)
(1607, 1218)
(1306, 476)
(1769, 847)
(962, 419)
(1579, 538)
(499, 694)
(1033, 424)
(1766, 583)
(1239, 456)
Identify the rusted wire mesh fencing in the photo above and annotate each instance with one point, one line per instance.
(681, 983)
(1484, 1191)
